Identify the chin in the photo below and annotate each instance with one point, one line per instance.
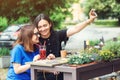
(44, 34)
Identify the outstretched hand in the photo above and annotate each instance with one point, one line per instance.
(92, 14)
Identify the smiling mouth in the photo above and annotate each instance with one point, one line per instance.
(43, 32)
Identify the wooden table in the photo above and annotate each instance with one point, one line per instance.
(84, 72)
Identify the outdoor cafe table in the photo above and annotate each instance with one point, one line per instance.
(83, 72)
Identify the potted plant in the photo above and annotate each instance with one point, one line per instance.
(4, 57)
(80, 59)
(94, 42)
(114, 47)
(106, 55)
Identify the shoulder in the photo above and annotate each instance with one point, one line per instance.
(17, 48)
(59, 32)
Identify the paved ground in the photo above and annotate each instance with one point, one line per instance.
(3, 73)
(75, 42)
(91, 32)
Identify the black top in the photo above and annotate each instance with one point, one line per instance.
(53, 43)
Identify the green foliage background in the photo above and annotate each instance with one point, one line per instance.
(104, 8)
(3, 23)
(56, 9)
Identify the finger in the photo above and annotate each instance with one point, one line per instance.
(48, 57)
(93, 10)
(93, 13)
(52, 56)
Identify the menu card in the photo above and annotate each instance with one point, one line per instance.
(49, 63)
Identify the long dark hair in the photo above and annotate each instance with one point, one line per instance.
(45, 17)
(25, 37)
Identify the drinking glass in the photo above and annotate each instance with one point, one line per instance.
(63, 53)
(42, 52)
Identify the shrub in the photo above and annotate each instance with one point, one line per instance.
(94, 42)
(106, 55)
(113, 46)
(3, 23)
(4, 51)
(111, 22)
(20, 20)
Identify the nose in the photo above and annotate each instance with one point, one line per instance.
(42, 28)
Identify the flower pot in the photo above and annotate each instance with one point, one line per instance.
(82, 65)
(4, 61)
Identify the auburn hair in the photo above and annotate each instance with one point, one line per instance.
(25, 37)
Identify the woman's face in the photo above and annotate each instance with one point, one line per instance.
(44, 28)
(35, 37)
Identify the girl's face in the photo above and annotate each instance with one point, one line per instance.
(35, 37)
(44, 28)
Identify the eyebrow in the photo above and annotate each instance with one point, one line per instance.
(43, 25)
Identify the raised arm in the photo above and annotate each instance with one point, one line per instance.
(82, 25)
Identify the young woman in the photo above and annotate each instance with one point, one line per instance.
(52, 39)
(24, 51)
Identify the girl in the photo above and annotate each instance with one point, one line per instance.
(24, 51)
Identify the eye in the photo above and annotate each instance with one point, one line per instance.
(45, 25)
(39, 27)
